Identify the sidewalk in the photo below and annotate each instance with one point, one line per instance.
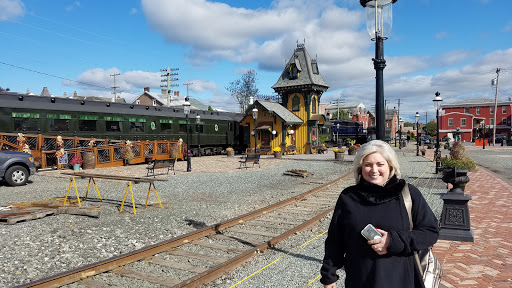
(487, 261)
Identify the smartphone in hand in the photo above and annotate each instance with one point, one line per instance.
(370, 233)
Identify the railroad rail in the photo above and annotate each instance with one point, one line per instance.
(204, 255)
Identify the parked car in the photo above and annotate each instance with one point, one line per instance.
(16, 167)
(500, 139)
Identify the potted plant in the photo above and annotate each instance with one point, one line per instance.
(76, 162)
(353, 149)
(456, 166)
(339, 153)
(277, 152)
(127, 154)
(423, 151)
(230, 152)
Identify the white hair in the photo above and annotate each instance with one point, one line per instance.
(376, 146)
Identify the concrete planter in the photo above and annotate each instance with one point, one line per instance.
(278, 155)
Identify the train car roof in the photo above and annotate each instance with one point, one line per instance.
(24, 101)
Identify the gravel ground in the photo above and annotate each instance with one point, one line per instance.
(214, 191)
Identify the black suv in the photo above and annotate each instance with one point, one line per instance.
(16, 167)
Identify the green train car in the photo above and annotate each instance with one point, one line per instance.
(30, 114)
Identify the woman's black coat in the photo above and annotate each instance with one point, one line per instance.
(367, 203)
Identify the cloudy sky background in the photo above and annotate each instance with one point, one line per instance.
(435, 45)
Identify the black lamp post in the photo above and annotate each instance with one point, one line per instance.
(255, 116)
(378, 23)
(399, 133)
(417, 116)
(198, 126)
(186, 109)
(437, 155)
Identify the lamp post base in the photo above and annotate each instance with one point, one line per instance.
(455, 225)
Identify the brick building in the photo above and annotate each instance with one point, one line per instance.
(474, 119)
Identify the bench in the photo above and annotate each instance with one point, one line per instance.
(250, 158)
(160, 164)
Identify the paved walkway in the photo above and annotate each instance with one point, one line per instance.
(486, 262)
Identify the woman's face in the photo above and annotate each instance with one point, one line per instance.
(375, 169)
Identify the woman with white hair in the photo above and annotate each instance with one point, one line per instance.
(386, 260)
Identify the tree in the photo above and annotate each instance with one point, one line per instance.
(242, 89)
(430, 128)
(341, 115)
(210, 108)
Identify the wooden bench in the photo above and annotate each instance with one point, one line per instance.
(160, 164)
(250, 158)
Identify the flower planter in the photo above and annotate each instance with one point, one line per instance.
(230, 153)
(76, 167)
(457, 177)
(339, 156)
(278, 155)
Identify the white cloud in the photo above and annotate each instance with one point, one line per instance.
(10, 9)
(134, 11)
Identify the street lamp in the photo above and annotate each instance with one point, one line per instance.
(379, 18)
(417, 116)
(198, 126)
(255, 116)
(338, 135)
(186, 109)
(437, 154)
(400, 121)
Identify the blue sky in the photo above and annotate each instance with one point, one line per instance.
(449, 46)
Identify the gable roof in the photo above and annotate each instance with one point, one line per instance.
(475, 103)
(277, 109)
(308, 71)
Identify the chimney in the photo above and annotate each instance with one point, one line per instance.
(146, 89)
(164, 91)
(177, 93)
(28, 91)
(75, 94)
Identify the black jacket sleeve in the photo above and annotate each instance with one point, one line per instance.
(425, 227)
(334, 257)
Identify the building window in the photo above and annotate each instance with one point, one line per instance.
(450, 122)
(154, 102)
(478, 111)
(463, 122)
(313, 103)
(466, 110)
(492, 121)
(294, 72)
(504, 121)
(295, 103)
(491, 110)
(504, 109)
(137, 102)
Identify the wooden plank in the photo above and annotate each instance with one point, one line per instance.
(93, 283)
(111, 177)
(175, 265)
(153, 278)
(178, 252)
(261, 233)
(86, 211)
(34, 215)
(218, 246)
(245, 241)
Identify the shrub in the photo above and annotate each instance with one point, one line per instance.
(277, 149)
(458, 159)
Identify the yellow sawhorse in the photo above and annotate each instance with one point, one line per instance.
(129, 188)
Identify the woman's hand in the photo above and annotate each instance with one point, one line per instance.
(380, 246)
(333, 285)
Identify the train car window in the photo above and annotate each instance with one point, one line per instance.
(87, 125)
(58, 124)
(199, 128)
(230, 126)
(295, 103)
(26, 124)
(113, 126)
(136, 126)
(166, 127)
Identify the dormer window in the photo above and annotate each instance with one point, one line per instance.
(137, 102)
(294, 72)
(314, 66)
(154, 102)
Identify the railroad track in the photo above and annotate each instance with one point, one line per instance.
(204, 255)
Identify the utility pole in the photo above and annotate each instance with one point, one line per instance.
(168, 79)
(115, 87)
(495, 106)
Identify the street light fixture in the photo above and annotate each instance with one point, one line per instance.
(198, 126)
(379, 18)
(186, 109)
(417, 116)
(255, 116)
(437, 154)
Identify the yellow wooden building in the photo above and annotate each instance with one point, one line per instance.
(293, 124)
